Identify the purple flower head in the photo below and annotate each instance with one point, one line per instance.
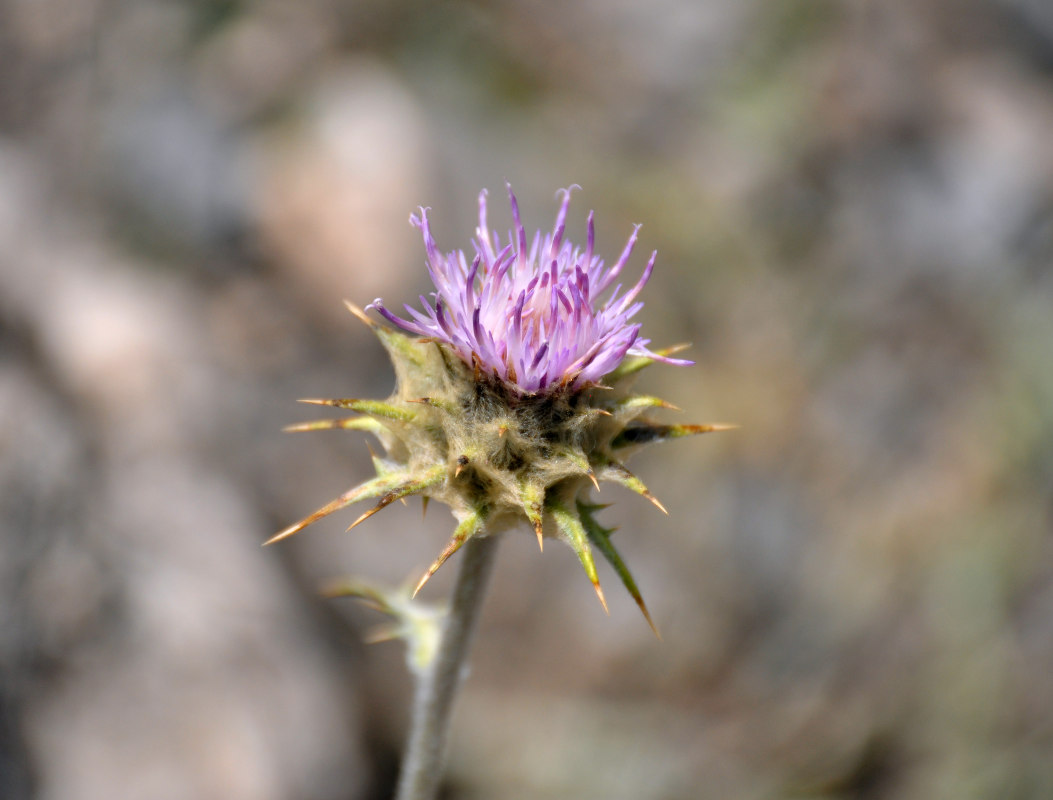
(531, 315)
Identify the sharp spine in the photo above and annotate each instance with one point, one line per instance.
(601, 537)
(470, 526)
(569, 524)
(430, 478)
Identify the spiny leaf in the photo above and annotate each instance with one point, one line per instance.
(376, 408)
(532, 496)
(631, 407)
(383, 466)
(577, 457)
(367, 424)
(632, 365)
(586, 418)
(617, 473)
(417, 623)
(642, 401)
(435, 402)
(358, 312)
(371, 488)
(574, 534)
(470, 526)
(373, 596)
(383, 633)
(645, 433)
(601, 537)
(395, 342)
(417, 484)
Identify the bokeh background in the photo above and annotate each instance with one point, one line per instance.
(853, 207)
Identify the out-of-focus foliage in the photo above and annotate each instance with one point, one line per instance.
(853, 208)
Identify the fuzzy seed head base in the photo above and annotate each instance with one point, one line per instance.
(521, 427)
(496, 458)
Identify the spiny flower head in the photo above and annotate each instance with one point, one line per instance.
(512, 401)
(532, 316)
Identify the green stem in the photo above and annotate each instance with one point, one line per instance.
(436, 689)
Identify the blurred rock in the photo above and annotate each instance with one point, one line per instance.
(177, 171)
(155, 649)
(257, 60)
(338, 186)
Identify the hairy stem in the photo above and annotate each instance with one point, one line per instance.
(437, 687)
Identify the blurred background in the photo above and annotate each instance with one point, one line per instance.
(853, 207)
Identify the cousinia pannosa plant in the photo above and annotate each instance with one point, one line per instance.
(511, 404)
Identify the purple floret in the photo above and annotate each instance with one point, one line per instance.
(530, 315)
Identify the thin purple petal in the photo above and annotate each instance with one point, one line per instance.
(531, 315)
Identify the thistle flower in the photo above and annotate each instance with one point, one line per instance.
(512, 400)
(531, 316)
